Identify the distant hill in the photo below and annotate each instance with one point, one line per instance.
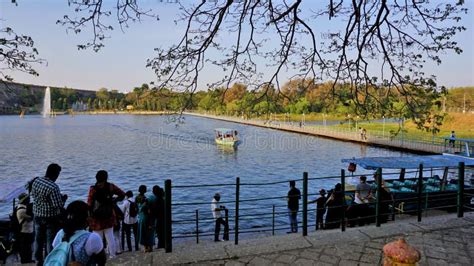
(16, 96)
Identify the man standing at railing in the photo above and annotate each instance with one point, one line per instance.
(216, 213)
(293, 198)
(452, 139)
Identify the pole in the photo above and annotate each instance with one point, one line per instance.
(461, 190)
(226, 226)
(168, 227)
(343, 188)
(305, 203)
(273, 221)
(383, 127)
(237, 202)
(197, 226)
(378, 199)
(420, 191)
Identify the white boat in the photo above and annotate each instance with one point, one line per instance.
(226, 137)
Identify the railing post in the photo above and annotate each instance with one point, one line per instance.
(461, 190)
(343, 188)
(378, 177)
(197, 226)
(273, 221)
(237, 202)
(168, 227)
(305, 203)
(420, 191)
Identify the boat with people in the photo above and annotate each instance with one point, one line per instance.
(436, 175)
(226, 137)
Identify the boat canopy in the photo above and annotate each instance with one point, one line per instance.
(224, 130)
(410, 162)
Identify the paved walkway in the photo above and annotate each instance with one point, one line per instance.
(442, 240)
(339, 134)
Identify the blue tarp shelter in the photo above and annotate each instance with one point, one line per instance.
(410, 162)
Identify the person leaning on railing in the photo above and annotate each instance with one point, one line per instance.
(294, 195)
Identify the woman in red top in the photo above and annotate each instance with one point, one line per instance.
(102, 204)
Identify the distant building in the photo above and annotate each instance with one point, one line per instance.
(129, 107)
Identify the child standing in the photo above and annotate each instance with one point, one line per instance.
(26, 236)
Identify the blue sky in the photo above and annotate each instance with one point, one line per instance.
(121, 64)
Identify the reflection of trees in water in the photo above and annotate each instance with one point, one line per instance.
(363, 150)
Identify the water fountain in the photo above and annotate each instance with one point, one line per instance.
(47, 103)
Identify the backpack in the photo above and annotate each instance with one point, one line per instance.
(133, 212)
(102, 204)
(61, 254)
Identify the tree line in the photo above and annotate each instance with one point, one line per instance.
(295, 97)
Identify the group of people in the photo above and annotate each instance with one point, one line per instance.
(330, 210)
(93, 229)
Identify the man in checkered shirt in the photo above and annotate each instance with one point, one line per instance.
(47, 206)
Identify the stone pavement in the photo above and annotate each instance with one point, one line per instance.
(442, 240)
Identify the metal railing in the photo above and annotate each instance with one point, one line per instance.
(244, 209)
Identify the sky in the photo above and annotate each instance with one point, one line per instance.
(121, 64)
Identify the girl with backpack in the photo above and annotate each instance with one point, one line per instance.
(102, 204)
(73, 243)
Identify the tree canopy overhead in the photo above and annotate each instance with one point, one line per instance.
(377, 47)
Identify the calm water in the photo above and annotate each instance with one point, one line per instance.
(150, 149)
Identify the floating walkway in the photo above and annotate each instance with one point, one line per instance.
(416, 146)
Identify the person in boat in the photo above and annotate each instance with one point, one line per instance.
(216, 213)
(294, 195)
(452, 138)
(320, 209)
(335, 209)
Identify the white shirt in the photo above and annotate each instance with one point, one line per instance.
(94, 244)
(215, 214)
(125, 207)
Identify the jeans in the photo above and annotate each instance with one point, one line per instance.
(26, 242)
(127, 233)
(45, 231)
(293, 220)
(217, 229)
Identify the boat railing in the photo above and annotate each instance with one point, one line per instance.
(247, 212)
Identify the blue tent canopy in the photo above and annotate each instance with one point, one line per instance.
(410, 162)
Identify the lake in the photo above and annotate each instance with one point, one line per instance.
(147, 150)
